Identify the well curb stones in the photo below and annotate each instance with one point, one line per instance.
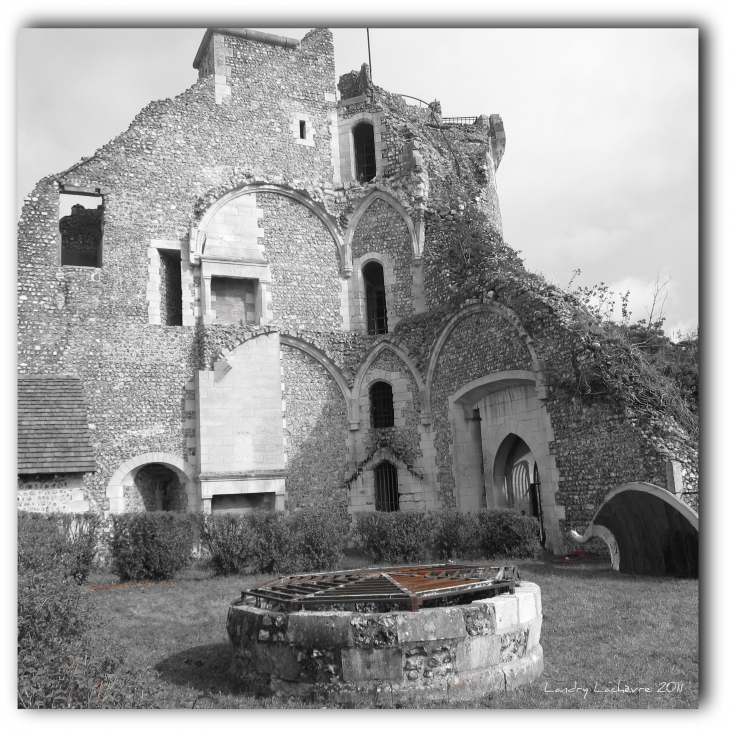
(456, 652)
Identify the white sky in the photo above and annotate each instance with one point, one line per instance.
(600, 167)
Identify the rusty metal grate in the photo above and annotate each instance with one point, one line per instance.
(407, 586)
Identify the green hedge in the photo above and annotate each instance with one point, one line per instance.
(390, 537)
(273, 542)
(150, 545)
(64, 541)
(504, 532)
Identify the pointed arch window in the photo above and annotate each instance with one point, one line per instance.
(374, 278)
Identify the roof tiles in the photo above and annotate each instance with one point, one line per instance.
(53, 428)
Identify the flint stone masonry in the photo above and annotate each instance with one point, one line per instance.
(437, 653)
(217, 186)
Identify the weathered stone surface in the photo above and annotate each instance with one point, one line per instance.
(481, 651)
(374, 630)
(382, 658)
(365, 665)
(431, 624)
(478, 619)
(320, 629)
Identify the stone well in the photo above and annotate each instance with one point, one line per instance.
(453, 652)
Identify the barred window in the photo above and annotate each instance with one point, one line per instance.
(386, 487)
(372, 274)
(381, 406)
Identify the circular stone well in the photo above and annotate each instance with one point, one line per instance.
(450, 652)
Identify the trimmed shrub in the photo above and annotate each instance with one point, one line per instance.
(454, 533)
(150, 545)
(228, 539)
(394, 536)
(506, 533)
(318, 540)
(58, 541)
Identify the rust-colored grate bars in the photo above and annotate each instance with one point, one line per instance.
(409, 585)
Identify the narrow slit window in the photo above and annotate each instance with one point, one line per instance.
(381, 406)
(302, 129)
(364, 140)
(81, 223)
(170, 289)
(386, 488)
(375, 298)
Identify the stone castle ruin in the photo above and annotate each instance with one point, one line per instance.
(266, 295)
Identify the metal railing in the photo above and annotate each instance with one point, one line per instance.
(459, 120)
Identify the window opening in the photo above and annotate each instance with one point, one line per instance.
(170, 288)
(364, 140)
(375, 298)
(81, 223)
(233, 300)
(386, 487)
(302, 129)
(381, 405)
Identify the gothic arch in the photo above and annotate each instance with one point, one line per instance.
(656, 533)
(365, 203)
(323, 360)
(403, 355)
(127, 470)
(200, 232)
(495, 308)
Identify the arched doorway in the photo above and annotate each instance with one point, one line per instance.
(154, 488)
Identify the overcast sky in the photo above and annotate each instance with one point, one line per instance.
(600, 168)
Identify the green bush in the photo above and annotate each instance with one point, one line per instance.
(454, 533)
(228, 540)
(318, 540)
(394, 536)
(504, 532)
(273, 542)
(56, 541)
(150, 545)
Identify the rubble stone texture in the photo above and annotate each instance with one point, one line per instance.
(492, 644)
(256, 351)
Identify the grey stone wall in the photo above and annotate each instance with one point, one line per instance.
(382, 230)
(480, 344)
(316, 435)
(305, 266)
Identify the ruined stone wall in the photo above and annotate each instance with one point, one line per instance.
(316, 435)
(382, 230)
(305, 266)
(480, 344)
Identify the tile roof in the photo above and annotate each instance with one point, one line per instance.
(53, 428)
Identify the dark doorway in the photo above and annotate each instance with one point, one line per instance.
(372, 273)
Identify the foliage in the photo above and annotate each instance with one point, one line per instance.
(227, 538)
(77, 674)
(273, 542)
(394, 536)
(454, 533)
(150, 545)
(505, 532)
(318, 540)
(62, 541)
(57, 667)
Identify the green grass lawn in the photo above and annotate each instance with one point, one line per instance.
(601, 631)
